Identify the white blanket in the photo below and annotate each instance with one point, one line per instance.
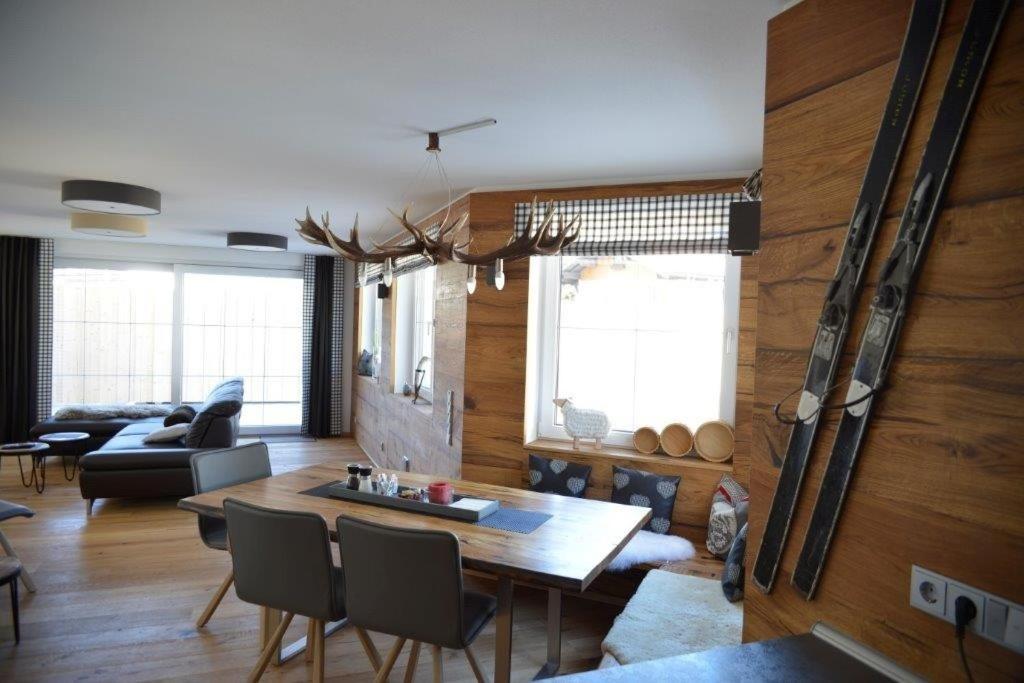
(103, 411)
(648, 546)
(673, 614)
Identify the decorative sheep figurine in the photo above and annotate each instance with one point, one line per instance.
(584, 423)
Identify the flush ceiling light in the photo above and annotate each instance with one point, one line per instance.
(257, 241)
(108, 225)
(104, 197)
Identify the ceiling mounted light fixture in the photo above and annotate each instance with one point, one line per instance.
(106, 197)
(257, 241)
(108, 225)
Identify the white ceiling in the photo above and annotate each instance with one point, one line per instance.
(242, 112)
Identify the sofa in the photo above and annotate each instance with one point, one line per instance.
(127, 467)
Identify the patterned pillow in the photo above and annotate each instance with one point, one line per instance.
(732, 577)
(558, 476)
(644, 489)
(728, 515)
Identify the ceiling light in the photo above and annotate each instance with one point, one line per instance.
(108, 225)
(104, 197)
(257, 241)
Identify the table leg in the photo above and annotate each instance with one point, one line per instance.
(554, 626)
(503, 636)
(25, 578)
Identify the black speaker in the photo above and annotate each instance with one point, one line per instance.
(383, 291)
(744, 228)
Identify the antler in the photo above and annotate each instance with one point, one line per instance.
(435, 250)
(535, 240)
(350, 248)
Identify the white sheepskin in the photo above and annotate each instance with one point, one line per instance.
(648, 546)
(104, 411)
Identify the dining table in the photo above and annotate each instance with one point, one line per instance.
(565, 553)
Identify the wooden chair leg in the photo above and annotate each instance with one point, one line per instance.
(414, 658)
(319, 654)
(389, 662)
(438, 664)
(310, 640)
(268, 651)
(369, 648)
(475, 666)
(14, 610)
(214, 603)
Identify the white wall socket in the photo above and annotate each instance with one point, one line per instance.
(998, 620)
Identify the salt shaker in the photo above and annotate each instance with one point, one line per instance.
(365, 483)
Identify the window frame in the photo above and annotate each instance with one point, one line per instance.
(408, 348)
(179, 269)
(547, 337)
(370, 335)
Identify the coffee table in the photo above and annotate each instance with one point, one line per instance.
(37, 454)
(60, 438)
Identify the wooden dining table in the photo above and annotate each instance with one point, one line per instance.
(565, 553)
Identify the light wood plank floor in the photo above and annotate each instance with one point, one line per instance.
(119, 593)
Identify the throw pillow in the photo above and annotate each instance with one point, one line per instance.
(167, 434)
(728, 515)
(183, 414)
(558, 476)
(732, 575)
(648, 490)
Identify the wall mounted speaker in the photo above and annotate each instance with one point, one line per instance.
(744, 228)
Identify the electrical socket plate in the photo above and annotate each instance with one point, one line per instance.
(936, 594)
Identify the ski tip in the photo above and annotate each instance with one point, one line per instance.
(764, 588)
(804, 589)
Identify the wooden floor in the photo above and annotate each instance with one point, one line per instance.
(119, 593)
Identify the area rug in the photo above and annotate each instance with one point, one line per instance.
(673, 614)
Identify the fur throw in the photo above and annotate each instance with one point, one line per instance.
(648, 546)
(104, 411)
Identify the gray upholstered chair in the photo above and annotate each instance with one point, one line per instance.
(408, 583)
(212, 470)
(282, 560)
(10, 510)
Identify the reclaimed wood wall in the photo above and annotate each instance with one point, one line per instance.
(386, 424)
(940, 481)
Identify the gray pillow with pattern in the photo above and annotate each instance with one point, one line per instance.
(648, 490)
(558, 476)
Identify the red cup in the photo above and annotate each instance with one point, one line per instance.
(440, 493)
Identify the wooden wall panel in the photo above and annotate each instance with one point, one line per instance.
(940, 481)
(386, 424)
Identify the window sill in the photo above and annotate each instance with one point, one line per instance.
(626, 455)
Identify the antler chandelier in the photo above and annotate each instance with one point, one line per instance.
(546, 238)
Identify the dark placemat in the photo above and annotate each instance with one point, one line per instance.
(505, 519)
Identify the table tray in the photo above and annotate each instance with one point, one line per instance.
(341, 490)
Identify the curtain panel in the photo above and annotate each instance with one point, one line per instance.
(20, 334)
(635, 226)
(323, 350)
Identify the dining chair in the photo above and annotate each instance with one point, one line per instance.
(10, 510)
(282, 560)
(408, 583)
(213, 470)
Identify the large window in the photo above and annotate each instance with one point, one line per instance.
(414, 334)
(112, 335)
(371, 311)
(171, 332)
(650, 340)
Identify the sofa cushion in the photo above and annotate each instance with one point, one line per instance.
(183, 414)
(215, 424)
(558, 476)
(648, 490)
(146, 457)
(98, 428)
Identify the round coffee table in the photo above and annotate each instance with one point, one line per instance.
(59, 438)
(37, 454)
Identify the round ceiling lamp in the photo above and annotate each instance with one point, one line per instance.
(257, 241)
(108, 225)
(105, 197)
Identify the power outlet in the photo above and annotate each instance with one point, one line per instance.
(928, 592)
(954, 591)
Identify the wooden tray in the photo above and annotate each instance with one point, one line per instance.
(341, 490)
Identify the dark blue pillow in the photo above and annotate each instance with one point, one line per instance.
(647, 490)
(558, 476)
(732, 576)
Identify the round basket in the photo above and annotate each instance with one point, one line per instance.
(714, 441)
(646, 440)
(676, 440)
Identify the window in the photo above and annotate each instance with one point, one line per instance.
(371, 311)
(414, 338)
(647, 339)
(169, 333)
(111, 335)
(245, 325)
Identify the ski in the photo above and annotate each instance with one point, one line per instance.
(896, 282)
(842, 293)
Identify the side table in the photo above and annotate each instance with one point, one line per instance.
(37, 455)
(58, 439)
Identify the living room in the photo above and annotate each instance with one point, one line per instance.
(491, 341)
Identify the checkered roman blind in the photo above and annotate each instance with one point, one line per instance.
(671, 224)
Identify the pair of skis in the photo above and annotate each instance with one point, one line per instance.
(894, 290)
